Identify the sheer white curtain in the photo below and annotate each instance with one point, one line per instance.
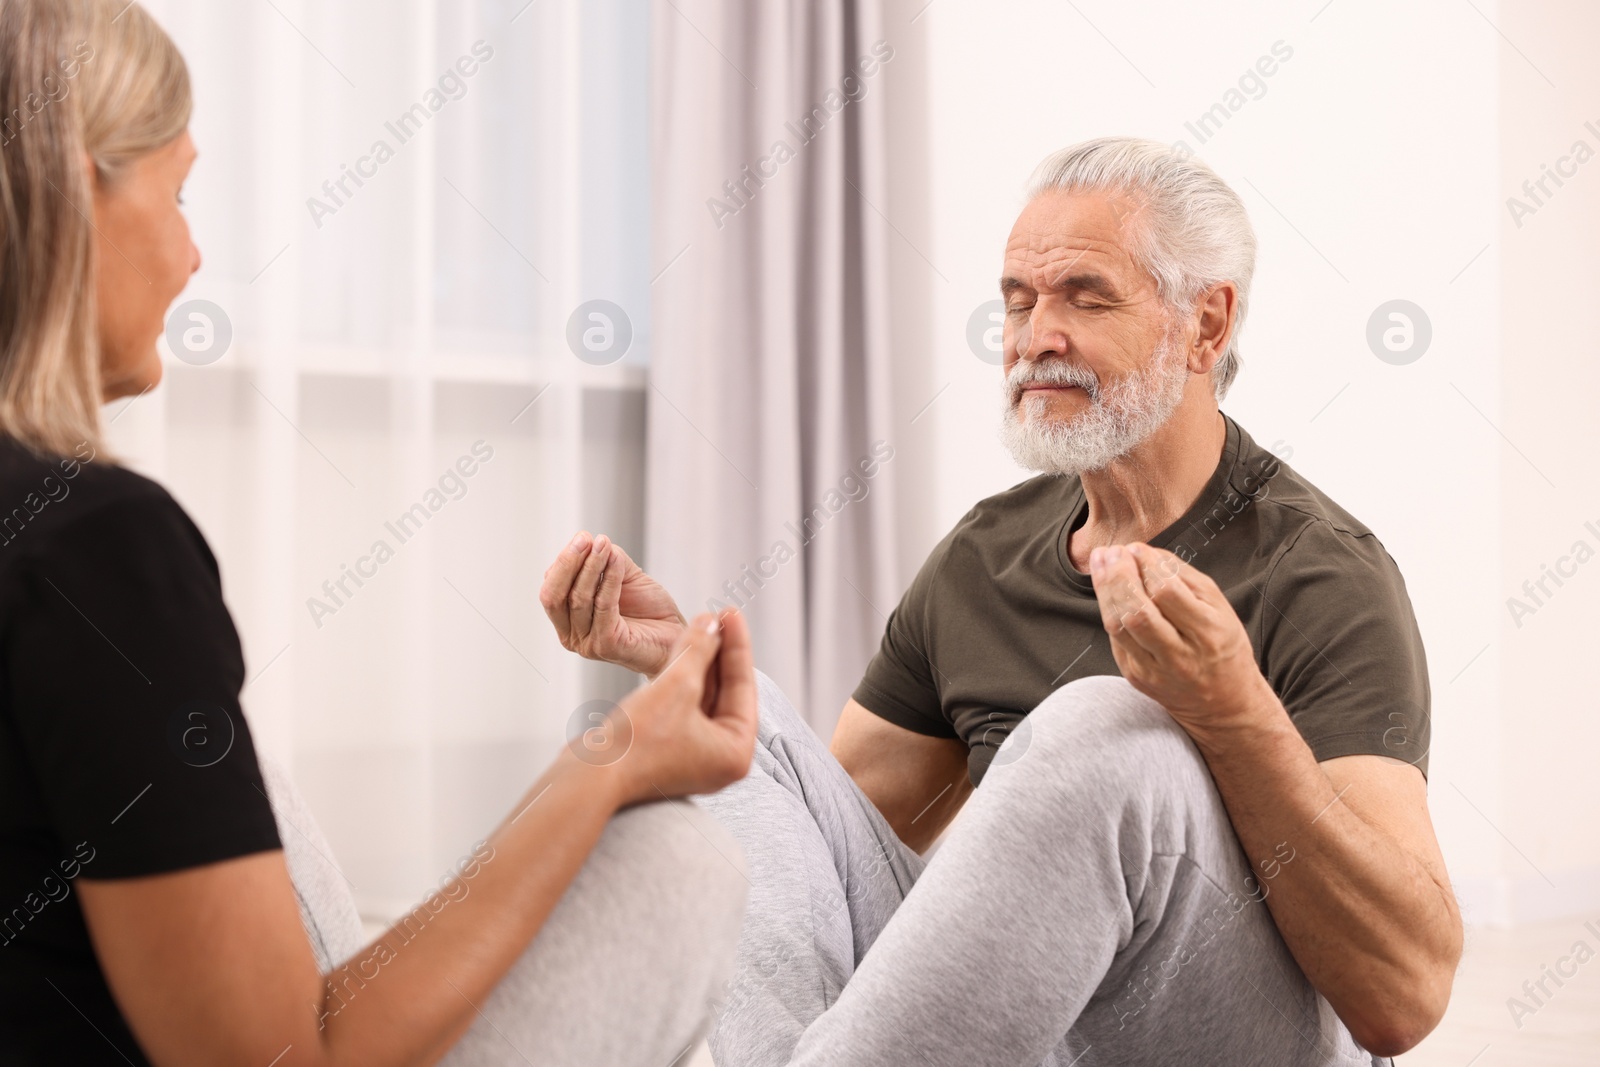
(401, 206)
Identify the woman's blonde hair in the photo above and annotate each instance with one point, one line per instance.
(80, 81)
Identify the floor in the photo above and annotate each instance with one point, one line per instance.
(1478, 1029)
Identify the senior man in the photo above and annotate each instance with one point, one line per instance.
(1190, 684)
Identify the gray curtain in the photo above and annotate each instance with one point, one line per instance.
(770, 442)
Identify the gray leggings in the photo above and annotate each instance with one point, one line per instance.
(1091, 906)
(623, 973)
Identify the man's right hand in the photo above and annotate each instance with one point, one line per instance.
(605, 607)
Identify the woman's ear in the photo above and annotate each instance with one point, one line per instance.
(91, 171)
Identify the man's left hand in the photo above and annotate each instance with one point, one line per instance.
(1177, 639)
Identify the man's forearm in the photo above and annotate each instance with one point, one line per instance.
(1376, 933)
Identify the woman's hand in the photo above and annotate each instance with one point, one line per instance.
(693, 729)
(605, 607)
(211, 964)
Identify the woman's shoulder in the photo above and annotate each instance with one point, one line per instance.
(49, 501)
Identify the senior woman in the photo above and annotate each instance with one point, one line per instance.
(152, 911)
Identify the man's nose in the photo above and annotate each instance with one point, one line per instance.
(1040, 337)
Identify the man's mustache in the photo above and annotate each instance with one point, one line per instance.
(1050, 372)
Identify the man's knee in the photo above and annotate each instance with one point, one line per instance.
(778, 717)
(1095, 715)
(1101, 734)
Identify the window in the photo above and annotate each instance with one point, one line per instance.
(401, 206)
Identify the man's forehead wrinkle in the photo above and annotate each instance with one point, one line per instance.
(1046, 240)
(1045, 264)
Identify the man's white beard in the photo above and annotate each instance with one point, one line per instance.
(1120, 415)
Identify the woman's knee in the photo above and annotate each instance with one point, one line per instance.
(690, 867)
(633, 957)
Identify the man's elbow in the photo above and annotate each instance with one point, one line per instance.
(1394, 1036)
(1400, 1022)
(1408, 1007)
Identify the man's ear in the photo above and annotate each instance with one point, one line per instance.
(1215, 315)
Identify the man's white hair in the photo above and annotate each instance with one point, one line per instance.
(1189, 229)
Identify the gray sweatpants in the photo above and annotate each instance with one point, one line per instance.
(624, 971)
(1091, 906)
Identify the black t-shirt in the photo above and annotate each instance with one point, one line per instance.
(998, 618)
(123, 751)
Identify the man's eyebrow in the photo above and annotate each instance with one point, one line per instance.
(1088, 281)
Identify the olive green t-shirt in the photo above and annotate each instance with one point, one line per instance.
(998, 617)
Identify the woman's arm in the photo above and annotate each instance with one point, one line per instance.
(211, 965)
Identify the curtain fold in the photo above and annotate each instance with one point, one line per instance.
(770, 470)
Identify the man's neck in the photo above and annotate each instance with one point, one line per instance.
(1150, 488)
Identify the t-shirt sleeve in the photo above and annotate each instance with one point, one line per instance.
(1342, 649)
(123, 677)
(900, 684)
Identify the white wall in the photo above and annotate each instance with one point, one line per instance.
(1371, 165)
(1550, 271)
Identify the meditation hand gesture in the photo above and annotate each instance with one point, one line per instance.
(1177, 640)
(692, 729)
(604, 607)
